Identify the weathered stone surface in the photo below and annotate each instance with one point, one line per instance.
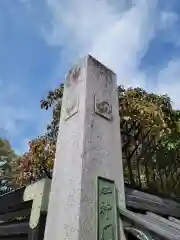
(88, 146)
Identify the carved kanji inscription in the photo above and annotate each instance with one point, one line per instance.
(107, 210)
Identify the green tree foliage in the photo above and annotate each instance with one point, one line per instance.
(8, 166)
(150, 130)
(150, 136)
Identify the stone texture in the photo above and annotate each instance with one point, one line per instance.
(88, 146)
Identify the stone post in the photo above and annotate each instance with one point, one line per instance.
(88, 146)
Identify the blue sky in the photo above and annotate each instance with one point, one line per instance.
(41, 39)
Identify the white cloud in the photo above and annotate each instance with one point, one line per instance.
(168, 26)
(17, 113)
(11, 117)
(10, 114)
(169, 81)
(117, 38)
(168, 19)
(126, 42)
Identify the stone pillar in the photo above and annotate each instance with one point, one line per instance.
(88, 146)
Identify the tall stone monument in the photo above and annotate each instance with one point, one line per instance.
(88, 147)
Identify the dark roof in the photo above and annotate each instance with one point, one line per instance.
(141, 202)
(154, 215)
